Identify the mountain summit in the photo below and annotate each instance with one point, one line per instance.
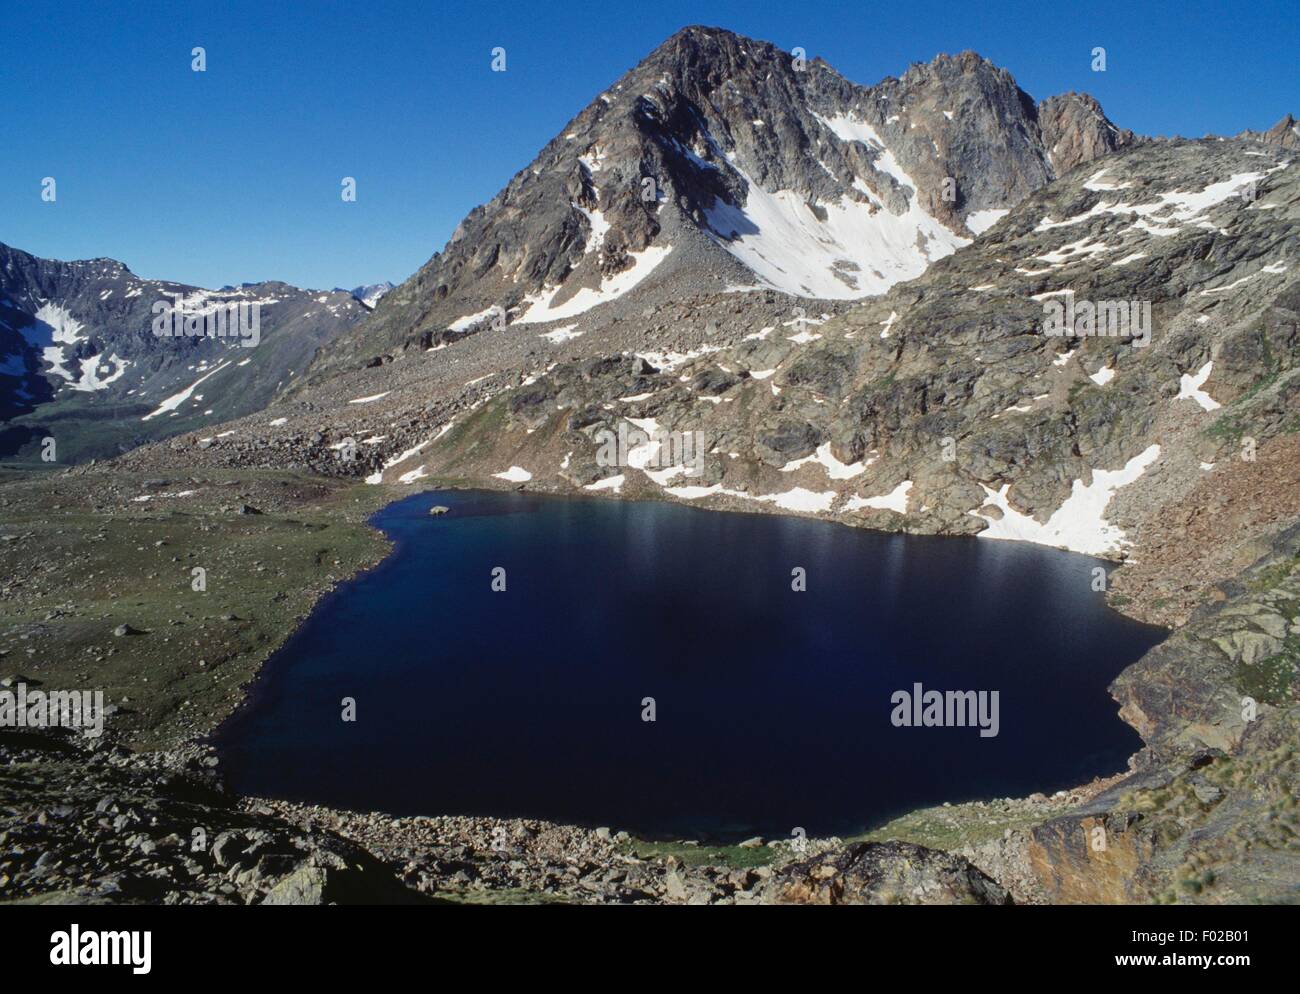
(726, 161)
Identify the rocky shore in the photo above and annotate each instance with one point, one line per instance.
(106, 825)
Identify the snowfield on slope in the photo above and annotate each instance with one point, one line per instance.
(177, 399)
(859, 250)
(541, 307)
(1079, 524)
(54, 330)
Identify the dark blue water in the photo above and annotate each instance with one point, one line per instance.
(773, 707)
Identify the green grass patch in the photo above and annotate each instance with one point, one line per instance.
(84, 561)
(960, 825)
(692, 854)
(1270, 679)
(1274, 575)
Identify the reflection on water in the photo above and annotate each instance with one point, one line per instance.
(773, 706)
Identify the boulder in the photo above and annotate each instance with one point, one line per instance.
(884, 873)
(329, 879)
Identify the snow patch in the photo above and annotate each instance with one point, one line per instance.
(515, 474)
(91, 381)
(1189, 388)
(835, 469)
(666, 362)
(614, 483)
(1079, 524)
(859, 249)
(800, 499)
(177, 399)
(413, 475)
(178, 493)
(888, 323)
(562, 334)
(541, 308)
(470, 320)
(1103, 375)
(980, 221)
(1096, 183)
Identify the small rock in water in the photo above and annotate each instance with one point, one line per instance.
(439, 509)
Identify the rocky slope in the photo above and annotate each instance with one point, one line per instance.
(109, 827)
(1209, 813)
(106, 826)
(723, 161)
(942, 406)
(80, 362)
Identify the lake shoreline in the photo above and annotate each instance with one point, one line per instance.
(69, 498)
(256, 689)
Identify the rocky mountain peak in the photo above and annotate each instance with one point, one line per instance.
(1075, 130)
(1284, 134)
(947, 68)
(723, 161)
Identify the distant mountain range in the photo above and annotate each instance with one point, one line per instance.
(80, 362)
(370, 294)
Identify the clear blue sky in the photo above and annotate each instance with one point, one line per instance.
(233, 174)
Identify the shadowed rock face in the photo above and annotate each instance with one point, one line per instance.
(111, 828)
(884, 873)
(683, 154)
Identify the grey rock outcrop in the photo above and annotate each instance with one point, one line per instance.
(884, 873)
